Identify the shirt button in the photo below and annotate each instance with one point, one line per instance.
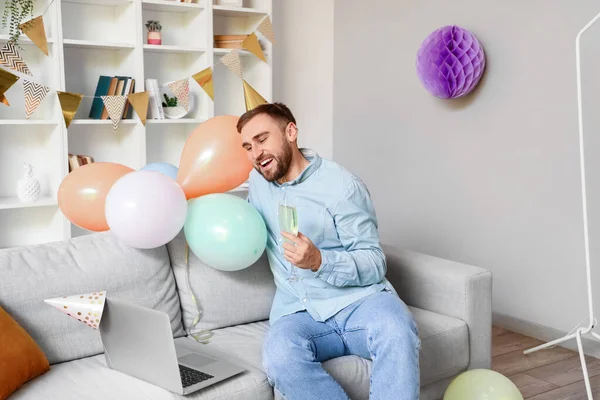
(293, 278)
(304, 300)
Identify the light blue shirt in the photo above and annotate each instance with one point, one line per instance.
(336, 213)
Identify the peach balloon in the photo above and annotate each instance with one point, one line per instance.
(82, 194)
(213, 159)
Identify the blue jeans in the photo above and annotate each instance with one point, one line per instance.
(378, 327)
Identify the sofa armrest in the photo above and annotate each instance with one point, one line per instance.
(449, 288)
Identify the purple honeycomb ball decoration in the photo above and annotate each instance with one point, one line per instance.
(450, 62)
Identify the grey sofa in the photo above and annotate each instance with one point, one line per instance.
(451, 303)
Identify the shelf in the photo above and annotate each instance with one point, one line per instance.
(86, 44)
(22, 39)
(86, 121)
(101, 2)
(243, 53)
(176, 121)
(92, 38)
(172, 49)
(170, 6)
(27, 122)
(226, 11)
(14, 202)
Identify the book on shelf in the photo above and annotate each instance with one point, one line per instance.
(78, 160)
(102, 88)
(111, 86)
(155, 110)
(129, 88)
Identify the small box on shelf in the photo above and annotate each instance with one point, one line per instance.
(230, 41)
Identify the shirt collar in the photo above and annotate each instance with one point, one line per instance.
(314, 164)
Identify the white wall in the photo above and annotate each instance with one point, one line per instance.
(303, 68)
(492, 179)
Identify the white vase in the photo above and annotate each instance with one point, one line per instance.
(28, 188)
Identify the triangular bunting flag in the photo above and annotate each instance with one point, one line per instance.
(251, 44)
(252, 97)
(266, 28)
(205, 80)
(232, 61)
(35, 31)
(139, 101)
(114, 106)
(34, 95)
(181, 90)
(6, 81)
(10, 57)
(4, 100)
(69, 103)
(86, 308)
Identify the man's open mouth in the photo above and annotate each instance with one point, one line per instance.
(266, 162)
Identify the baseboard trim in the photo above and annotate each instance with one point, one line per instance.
(591, 347)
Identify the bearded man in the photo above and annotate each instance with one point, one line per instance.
(332, 297)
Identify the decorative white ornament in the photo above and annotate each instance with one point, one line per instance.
(28, 188)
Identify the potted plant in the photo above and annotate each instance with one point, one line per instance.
(15, 12)
(154, 29)
(172, 109)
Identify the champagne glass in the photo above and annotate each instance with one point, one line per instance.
(288, 222)
(288, 219)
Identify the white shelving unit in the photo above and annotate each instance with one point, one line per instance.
(89, 38)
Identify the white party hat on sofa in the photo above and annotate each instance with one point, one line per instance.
(86, 308)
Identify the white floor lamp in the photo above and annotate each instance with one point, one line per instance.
(589, 329)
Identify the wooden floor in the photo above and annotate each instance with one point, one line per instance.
(553, 374)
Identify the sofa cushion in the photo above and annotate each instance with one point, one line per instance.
(90, 378)
(444, 345)
(444, 351)
(225, 298)
(85, 264)
(21, 359)
(245, 341)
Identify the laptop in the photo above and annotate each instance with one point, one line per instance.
(138, 341)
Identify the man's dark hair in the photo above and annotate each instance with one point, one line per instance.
(278, 111)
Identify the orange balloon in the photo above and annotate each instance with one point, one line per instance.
(82, 194)
(213, 159)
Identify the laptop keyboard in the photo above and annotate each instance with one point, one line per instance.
(190, 376)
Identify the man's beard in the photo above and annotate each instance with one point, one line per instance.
(282, 164)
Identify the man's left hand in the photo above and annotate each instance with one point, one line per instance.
(302, 253)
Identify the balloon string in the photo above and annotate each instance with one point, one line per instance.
(202, 336)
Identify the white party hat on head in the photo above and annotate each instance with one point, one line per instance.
(86, 308)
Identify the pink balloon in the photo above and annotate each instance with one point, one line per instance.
(146, 209)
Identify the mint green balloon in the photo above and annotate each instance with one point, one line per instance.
(225, 231)
(482, 384)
